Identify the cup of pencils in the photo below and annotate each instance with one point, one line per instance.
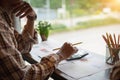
(112, 48)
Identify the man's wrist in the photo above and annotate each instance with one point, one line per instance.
(61, 57)
(32, 18)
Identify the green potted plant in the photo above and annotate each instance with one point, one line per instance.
(43, 28)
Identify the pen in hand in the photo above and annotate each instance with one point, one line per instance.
(72, 44)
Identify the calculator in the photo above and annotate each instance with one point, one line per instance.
(76, 56)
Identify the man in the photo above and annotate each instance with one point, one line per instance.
(13, 44)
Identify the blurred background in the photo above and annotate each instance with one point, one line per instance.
(79, 20)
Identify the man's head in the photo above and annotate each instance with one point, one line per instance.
(9, 3)
(14, 2)
(18, 7)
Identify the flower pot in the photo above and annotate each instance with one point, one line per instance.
(43, 28)
(43, 37)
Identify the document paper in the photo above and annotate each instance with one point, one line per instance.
(80, 69)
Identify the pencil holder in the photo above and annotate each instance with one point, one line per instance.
(112, 55)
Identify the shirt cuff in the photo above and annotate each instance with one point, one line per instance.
(53, 58)
(28, 38)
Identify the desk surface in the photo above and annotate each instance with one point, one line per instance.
(92, 67)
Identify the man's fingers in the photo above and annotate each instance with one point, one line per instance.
(25, 13)
(75, 49)
(22, 11)
(17, 8)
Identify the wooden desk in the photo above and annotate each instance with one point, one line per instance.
(93, 59)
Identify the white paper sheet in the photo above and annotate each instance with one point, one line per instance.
(79, 69)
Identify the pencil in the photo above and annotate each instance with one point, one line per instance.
(115, 42)
(118, 41)
(72, 45)
(112, 42)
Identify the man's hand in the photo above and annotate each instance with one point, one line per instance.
(66, 51)
(23, 9)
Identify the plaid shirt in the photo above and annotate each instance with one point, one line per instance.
(12, 45)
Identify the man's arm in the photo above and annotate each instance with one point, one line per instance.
(29, 35)
(12, 68)
(29, 27)
(25, 38)
(12, 65)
